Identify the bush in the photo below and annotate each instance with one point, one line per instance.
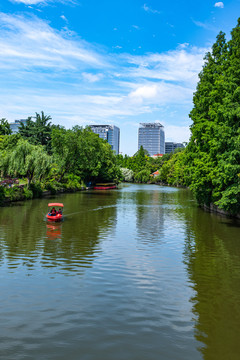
(28, 194)
(128, 175)
(14, 193)
(142, 176)
(73, 182)
(36, 189)
(53, 186)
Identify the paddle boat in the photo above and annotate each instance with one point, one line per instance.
(54, 214)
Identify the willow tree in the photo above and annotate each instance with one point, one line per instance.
(27, 160)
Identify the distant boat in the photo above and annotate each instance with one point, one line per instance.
(105, 186)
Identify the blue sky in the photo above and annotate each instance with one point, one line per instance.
(107, 62)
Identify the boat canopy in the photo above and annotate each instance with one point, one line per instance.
(55, 204)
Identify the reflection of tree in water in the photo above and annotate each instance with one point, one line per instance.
(157, 209)
(26, 239)
(212, 256)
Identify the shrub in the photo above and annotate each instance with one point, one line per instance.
(128, 175)
(142, 176)
(36, 189)
(28, 194)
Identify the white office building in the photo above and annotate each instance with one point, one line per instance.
(151, 137)
(111, 133)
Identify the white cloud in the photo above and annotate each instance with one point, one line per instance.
(42, 46)
(204, 25)
(92, 78)
(150, 10)
(180, 65)
(56, 71)
(160, 94)
(219, 4)
(64, 18)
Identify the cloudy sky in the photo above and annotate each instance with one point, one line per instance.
(107, 62)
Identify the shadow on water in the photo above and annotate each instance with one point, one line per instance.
(212, 257)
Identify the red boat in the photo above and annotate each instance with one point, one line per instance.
(53, 214)
(106, 186)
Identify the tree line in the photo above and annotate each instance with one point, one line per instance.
(52, 157)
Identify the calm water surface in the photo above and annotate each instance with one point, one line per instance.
(139, 273)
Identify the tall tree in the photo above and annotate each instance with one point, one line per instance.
(213, 153)
(38, 132)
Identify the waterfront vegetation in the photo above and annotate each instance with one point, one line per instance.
(51, 157)
(210, 163)
(48, 157)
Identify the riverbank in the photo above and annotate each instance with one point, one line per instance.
(23, 193)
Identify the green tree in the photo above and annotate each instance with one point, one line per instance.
(27, 160)
(142, 176)
(38, 132)
(213, 153)
(81, 152)
(5, 127)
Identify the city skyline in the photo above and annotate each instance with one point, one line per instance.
(111, 133)
(89, 62)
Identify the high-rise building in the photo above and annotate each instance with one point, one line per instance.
(111, 133)
(171, 146)
(14, 126)
(151, 137)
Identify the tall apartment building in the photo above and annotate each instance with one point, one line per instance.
(111, 133)
(14, 126)
(151, 137)
(171, 146)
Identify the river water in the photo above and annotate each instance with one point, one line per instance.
(138, 273)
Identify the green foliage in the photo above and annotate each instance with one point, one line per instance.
(25, 159)
(73, 182)
(8, 142)
(14, 193)
(4, 127)
(28, 194)
(212, 157)
(142, 176)
(128, 175)
(38, 132)
(36, 189)
(82, 153)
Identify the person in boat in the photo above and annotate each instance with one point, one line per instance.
(59, 211)
(53, 212)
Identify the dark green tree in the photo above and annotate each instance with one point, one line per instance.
(38, 131)
(5, 127)
(213, 153)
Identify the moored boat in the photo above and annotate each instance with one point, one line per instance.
(105, 186)
(53, 214)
